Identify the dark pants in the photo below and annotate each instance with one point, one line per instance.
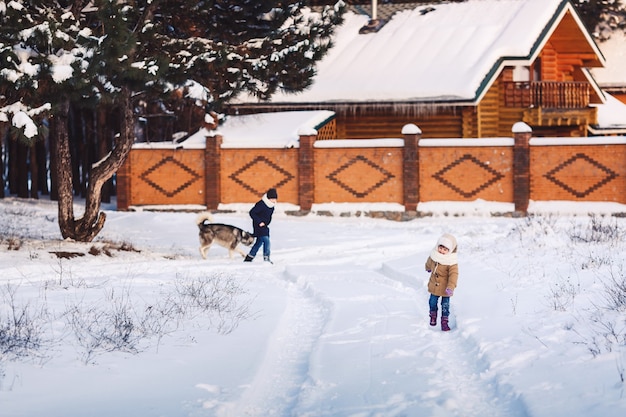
(261, 240)
(445, 304)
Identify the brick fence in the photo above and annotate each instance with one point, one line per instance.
(406, 171)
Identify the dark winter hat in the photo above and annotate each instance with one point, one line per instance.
(271, 193)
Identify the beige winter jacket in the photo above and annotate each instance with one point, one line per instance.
(444, 271)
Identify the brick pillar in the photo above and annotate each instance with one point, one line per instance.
(306, 169)
(521, 167)
(212, 172)
(122, 183)
(410, 166)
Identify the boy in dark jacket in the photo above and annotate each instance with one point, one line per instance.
(261, 215)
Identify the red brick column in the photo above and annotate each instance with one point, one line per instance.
(306, 170)
(212, 171)
(412, 135)
(521, 167)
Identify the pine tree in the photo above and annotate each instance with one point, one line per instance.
(55, 53)
(601, 17)
(58, 53)
(231, 46)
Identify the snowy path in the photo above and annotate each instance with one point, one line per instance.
(408, 369)
(274, 388)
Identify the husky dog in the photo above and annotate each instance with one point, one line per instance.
(223, 234)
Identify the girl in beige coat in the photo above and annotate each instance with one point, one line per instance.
(444, 272)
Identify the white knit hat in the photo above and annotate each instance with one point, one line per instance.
(447, 241)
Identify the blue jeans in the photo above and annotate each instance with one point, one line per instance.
(445, 304)
(261, 240)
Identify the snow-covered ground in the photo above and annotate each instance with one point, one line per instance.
(137, 324)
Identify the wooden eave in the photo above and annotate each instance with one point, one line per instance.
(569, 39)
(596, 95)
(405, 107)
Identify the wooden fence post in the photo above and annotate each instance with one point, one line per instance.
(212, 171)
(410, 166)
(306, 169)
(521, 167)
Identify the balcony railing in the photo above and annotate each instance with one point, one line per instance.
(547, 94)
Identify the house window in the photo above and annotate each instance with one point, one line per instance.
(521, 74)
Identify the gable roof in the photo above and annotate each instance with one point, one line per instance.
(263, 130)
(433, 53)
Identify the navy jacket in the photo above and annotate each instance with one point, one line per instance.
(261, 213)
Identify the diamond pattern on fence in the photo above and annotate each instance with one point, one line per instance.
(169, 176)
(455, 174)
(360, 167)
(570, 175)
(240, 175)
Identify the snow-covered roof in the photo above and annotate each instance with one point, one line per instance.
(265, 130)
(433, 52)
(614, 73)
(611, 117)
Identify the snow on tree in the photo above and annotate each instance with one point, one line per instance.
(230, 46)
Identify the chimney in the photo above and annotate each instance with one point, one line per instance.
(374, 24)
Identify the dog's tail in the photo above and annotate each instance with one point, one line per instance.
(203, 217)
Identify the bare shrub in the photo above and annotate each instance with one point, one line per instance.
(599, 229)
(105, 326)
(21, 326)
(216, 296)
(64, 279)
(563, 293)
(125, 323)
(533, 229)
(607, 321)
(615, 289)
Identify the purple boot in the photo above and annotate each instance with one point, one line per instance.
(444, 324)
(433, 318)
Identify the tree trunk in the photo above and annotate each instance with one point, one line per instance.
(12, 164)
(52, 139)
(34, 171)
(102, 142)
(86, 228)
(74, 138)
(60, 153)
(42, 161)
(22, 170)
(3, 135)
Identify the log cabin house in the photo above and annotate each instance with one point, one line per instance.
(456, 69)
